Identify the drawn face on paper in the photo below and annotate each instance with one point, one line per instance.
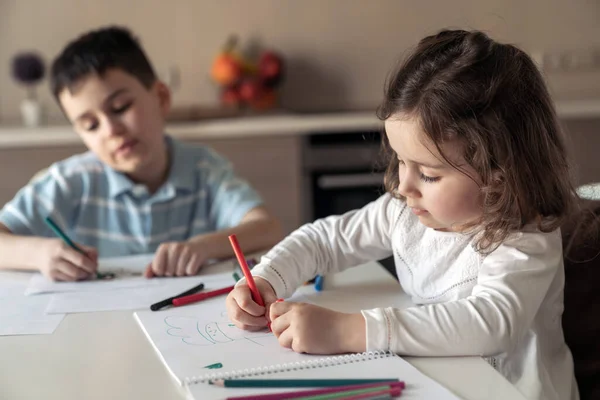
(194, 332)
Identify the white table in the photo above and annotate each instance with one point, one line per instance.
(106, 356)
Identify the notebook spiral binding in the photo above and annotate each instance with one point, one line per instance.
(295, 366)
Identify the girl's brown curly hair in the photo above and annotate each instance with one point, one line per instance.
(490, 97)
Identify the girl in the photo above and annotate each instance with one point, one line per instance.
(477, 187)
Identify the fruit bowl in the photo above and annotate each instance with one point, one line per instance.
(247, 82)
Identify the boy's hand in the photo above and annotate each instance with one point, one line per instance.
(306, 328)
(175, 259)
(244, 312)
(59, 262)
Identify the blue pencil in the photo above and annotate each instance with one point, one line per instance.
(319, 283)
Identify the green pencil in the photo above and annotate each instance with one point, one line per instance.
(377, 390)
(293, 383)
(59, 232)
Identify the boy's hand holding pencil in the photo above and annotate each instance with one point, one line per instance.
(63, 259)
(60, 262)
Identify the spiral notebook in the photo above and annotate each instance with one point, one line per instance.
(198, 343)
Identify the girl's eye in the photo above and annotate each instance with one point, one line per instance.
(400, 162)
(429, 179)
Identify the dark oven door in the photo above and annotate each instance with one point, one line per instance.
(336, 192)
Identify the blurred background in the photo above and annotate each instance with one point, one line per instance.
(337, 54)
(338, 51)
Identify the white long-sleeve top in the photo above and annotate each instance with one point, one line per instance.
(505, 306)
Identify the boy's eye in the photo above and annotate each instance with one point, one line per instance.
(89, 126)
(121, 108)
(429, 179)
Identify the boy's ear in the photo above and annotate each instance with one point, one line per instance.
(164, 97)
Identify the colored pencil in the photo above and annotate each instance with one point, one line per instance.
(169, 301)
(242, 261)
(382, 395)
(319, 283)
(313, 392)
(236, 276)
(292, 383)
(194, 298)
(355, 394)
(59, 232)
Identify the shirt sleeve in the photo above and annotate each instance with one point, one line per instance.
(231, 196)
(330, 245)
(49, 195)
(512, 283)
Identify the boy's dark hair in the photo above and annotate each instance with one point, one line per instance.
(96, 52)
(490, 98)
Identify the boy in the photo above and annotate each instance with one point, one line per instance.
(137, 190)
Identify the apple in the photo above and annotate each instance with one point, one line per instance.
(270, 68)
(250, 89)
(230, 96)
(266, 101)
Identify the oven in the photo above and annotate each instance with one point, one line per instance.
(342, 172)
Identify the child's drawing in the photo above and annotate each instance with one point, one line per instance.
(195, 332)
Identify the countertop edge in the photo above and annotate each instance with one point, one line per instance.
(255, 126)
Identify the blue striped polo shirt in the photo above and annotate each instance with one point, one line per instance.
(100, 207)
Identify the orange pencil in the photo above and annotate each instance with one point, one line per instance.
(242, 260)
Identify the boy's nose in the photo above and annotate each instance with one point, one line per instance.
(114, 127)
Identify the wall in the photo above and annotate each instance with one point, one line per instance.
(339, 51)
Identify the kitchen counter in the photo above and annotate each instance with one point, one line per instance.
(290, 124)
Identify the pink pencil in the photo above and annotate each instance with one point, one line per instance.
(316, 392)
(392, 392)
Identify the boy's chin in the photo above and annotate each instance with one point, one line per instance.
(129, 168)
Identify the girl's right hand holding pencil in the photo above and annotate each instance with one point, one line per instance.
(244, 312)
(60, 262)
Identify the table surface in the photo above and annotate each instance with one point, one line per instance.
(106, 355)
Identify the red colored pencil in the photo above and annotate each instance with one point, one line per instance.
(242, 261)
(193, 298)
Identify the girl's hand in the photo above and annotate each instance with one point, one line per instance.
(244, 312)
(59, 262)
(176, 259)
(306, 328)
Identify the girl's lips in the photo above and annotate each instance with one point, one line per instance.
(418, 211)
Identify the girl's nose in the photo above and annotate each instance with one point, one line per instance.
(407, 187)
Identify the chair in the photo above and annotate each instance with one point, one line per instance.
(581, 316)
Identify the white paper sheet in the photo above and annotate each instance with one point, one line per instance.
(128, 272)
(418, 385)
(134, 298)
(24, 315)
(199, 342)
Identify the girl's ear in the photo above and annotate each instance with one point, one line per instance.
(164, 97)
